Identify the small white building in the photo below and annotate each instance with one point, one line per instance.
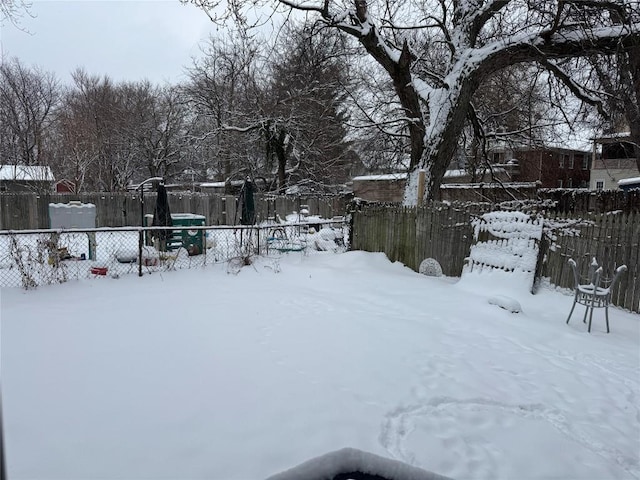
(26, 178)
(613, 160)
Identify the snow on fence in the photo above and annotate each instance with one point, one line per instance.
(571, 200)
(30, 258)
(445, 232)
(30, 211)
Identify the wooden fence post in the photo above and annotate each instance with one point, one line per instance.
(421, 181)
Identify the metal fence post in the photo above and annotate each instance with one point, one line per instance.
(224, 210)
(140, 242)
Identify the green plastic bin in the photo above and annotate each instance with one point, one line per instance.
(191, 240)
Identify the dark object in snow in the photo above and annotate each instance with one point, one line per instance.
(162, 217)
(246, 203)
(349, 463)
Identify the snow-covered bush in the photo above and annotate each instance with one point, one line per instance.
(430, 267)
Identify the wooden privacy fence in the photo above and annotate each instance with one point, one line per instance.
(444, 232)
(578, 200)
(24, 211)
(613, 239)
(409, 234)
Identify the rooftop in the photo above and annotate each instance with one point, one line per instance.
(27, 173)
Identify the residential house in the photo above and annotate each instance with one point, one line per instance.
(614, 159)
(26, 178)
(455, 185)
(549, 167)
(520, 169)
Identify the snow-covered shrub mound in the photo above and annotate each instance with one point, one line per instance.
(430, 267)
(508, 303)
(326, 240)
(150, 255)
(127, 255)
(328, 234)
(323, 245)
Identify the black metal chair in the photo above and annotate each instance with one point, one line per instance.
(595, 292)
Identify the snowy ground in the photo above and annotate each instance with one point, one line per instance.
(200, 374)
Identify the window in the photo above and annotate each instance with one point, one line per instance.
(570, 183)
(569, 159)
(496, 157)
(583, 161)
(559, 183)
(561, 161)
(599, 185)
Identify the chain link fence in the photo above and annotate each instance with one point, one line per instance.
(30, 258)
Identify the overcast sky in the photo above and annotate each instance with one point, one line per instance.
(128, 40)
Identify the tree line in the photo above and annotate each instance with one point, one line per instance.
(345, 87)
(276, 115)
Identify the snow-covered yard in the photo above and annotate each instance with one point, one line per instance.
(200, 374)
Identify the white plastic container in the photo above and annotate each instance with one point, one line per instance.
(72, 215)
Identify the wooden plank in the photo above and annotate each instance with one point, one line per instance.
(618, 238)
(632, 301)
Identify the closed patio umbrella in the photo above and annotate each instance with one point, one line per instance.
(248, 206)
(162, 217)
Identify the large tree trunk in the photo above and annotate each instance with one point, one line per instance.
(281, 155)
(449, 108)
(409, 100)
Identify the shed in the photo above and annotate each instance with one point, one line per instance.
(26, 178)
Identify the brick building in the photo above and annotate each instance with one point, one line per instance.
(549, 167)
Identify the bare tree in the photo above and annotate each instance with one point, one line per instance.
(276, 116)
(475, 38)
(114, 133)
(78, 151)
(13, 10)
(93, 113)
(155, 118)
(28, 99)
(304, 110)
(221, 95)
